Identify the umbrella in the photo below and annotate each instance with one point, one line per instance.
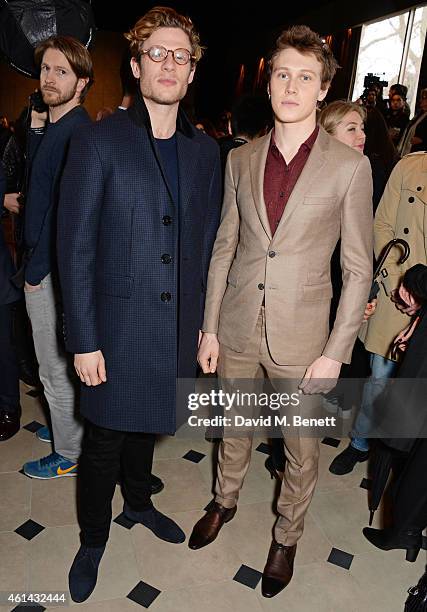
(26, 23)
(383, 461)
(380, 270)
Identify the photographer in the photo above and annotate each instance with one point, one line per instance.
(65, 77)
(373, 92)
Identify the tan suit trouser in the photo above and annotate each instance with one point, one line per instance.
(234, 455)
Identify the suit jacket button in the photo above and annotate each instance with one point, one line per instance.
(166, 258)
(260, 286)
(167, 220)
(165, 296)
(419, 188)
(411, 199)
(272, 254)
(405, 230)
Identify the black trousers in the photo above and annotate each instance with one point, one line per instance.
(9, 374)
(410, 496)
(106, 454)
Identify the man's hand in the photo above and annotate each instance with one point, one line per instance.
(31, 288)
(208, 353)
(38, 120)
(90, 368)
(370, 309)
(321, 376)
(11, 203)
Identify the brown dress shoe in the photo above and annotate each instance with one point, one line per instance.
(278, 570)
(206, 530)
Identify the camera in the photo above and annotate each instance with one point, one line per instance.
(373, 80)
(36, 102)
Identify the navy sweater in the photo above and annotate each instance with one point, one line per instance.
(47, 153)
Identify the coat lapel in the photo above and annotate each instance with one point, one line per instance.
(187, 149)
(257, 169)
(313, 167)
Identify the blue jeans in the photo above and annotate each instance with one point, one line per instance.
(381, 370)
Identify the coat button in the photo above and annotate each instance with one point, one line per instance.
(260, 286)
(167, 220)
(166, 258)
(165, 296)
(419, 188)
(411, 199)
(272, 254)
(405, 230)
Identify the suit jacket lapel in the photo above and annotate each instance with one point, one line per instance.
(188, 155)
(257, 169)
(314, 165)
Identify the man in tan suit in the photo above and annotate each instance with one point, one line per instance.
(289, 197)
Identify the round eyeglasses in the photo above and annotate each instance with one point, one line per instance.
(159, 54)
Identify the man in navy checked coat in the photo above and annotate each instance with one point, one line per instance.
(140, 203)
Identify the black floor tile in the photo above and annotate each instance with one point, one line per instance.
(123, 521)
(33, 426)
(143, 594)
(366, 483)
(263, 448)
(194, 456)
(331, 442)
(248, 576)
(29, 529)
(22, 608)
(340, 558)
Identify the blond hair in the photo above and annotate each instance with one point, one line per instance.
(334, 113)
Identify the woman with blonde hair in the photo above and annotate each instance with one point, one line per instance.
(345, 121)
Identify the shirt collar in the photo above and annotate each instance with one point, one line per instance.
(307, 144)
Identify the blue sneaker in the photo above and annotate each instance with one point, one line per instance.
(43, 434)
(52, 466)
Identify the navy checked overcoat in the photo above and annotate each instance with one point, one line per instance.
(133, 263)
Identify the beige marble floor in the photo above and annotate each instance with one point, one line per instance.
(195, 581)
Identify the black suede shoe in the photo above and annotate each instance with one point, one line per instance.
(345, 461)
(162, 526)
(84, 572)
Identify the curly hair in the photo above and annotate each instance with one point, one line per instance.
(163, 17)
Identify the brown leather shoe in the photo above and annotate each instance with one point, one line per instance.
(205, 531)
(279, 569)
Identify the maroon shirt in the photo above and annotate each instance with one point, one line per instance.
(280, 178)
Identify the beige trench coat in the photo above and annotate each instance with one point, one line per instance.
(402, 213)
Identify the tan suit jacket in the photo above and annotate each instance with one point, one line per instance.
(401, 213)
(332, 198)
